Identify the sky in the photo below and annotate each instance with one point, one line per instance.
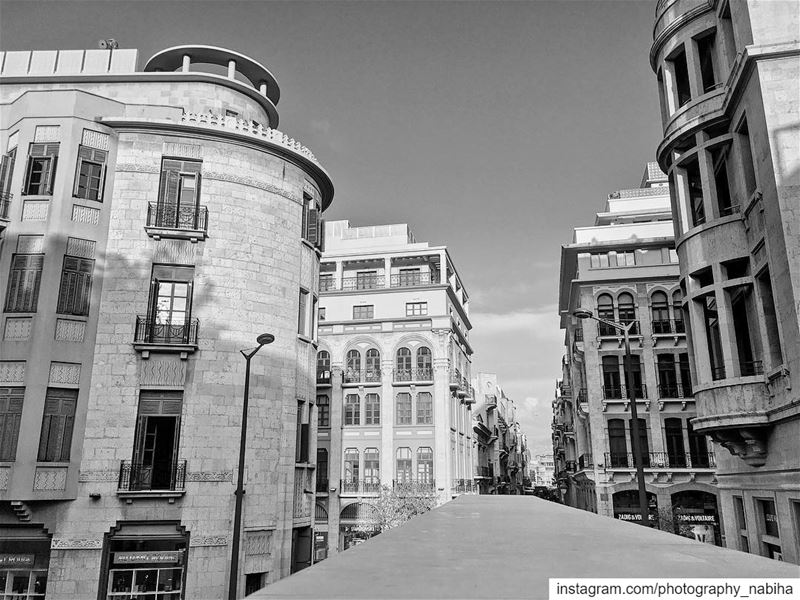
(490, 127)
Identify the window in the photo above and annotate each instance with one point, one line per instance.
(366, 280)
(677, 311)
(746, 153)
(686, 375)
(326, 282)
(169, 320)
(425, 465)
(416, 309)
(740, 302)
(424, 364)
(312, 226)
(302, 314)
(10, 417)
(403, 408)
(404, 467)
(155, 451)
(719, 158)
(372, 467)
(768, 528)
(599, 261)
(660, 310)
(673, 433)
(696, 206)
(373, 372)
(253, 581)
(644, 447)
(303, 440)
(612, 385)
(698, 447)
(90, 173)
(616, 443)
(409, 277)
(627, 311)
(741, 523)
(403, 365)
(713, 339)
(363, 312)
(351, 465)
(626, 259)
(667, 376)
(178, 196)
(705, 50)
(352, 366)
(323, 411)
(321, 313)
(23, 282)
(57, 423)
(41, 171)
(372, 410)
(636, 372)
(770, 319)
(6, 174)
(424, 408)
(323, 366)
(352, 410)
(680, 72)
(76, 286)
(605, 310)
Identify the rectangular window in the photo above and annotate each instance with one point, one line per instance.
(323, 411)
(76, 286)
(326, 282)
(366, 280)
(155, 450)
(644, 447)
(321, 313)
(178, 196)
(424, 408)
(352, 410)
(41, 171)
(769, 517)
(741, 523)
(372, 409)
(599, 261)
(724, 202)
(10, 417)
(169, 318)
(680, 72)
(364, 312)
(698, 447)
(302, 314)
(57, 424)
(696, 206)
(673, 433)
(403, 408)
(625, 259)
(90, 173)
(23, 282)
(415, 309)
(705, 50)
(713, 337)
(303, 433)
(770, 319)
(746, 152)
(409, 277)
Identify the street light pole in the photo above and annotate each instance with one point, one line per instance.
(263, 339)
(638, 459)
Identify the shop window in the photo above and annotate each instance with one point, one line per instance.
(425, 465)
(41, 171)
(697, 514)
(424, 408)
(76, 286)
(680, 71)
(372, 409)
(323, 411)
(706, 48)
(90, 173)
(24, 280)
(696, 200)
(24, 562)
(403, 408)
(352, 410)
(11, 399)
(770, 319)
(155, 464)
(57, 424)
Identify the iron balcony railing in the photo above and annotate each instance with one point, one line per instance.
(175, 216)
(412, 279)
(483, 471)
(323, 376)
(606, 330)
(578, 334)
(717, 373)
(322, 484)
(662, 460)
(583, 395)
(751, 367)
(159, 476)
(369, 282)
(674, 390)
(327, 284)
(423, 374)
(361, 486)
(585, 462)
(153, 331)
(667, 326)
(410, 486)
(359, 376)
(620, 392)
(5, 204)
(571, 466)
(456, 380)
(465, 486)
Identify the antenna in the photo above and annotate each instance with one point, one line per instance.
(109, 44)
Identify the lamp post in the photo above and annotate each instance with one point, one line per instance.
(638, 459)
(262, 340)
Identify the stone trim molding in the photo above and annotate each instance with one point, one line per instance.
(76, 544)
(209, 476)
(98, 475)
(198, 541)
(253, 182)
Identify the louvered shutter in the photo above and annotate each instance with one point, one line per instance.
(76, 286)
(9, 160)
(321, 243)
(57, 424)
(312, 228)
(170, 181)
(23, 282)
(5, 172)
(10, 417)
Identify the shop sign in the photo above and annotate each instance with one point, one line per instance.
(17, 560)
(165, 556)
(634, 517)
(690, 518)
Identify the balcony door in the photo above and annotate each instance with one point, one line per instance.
(673, 433)
(617, 445)
(155, 453)
(169, 318)
(179, 194)
(612, 387)
(644, 446)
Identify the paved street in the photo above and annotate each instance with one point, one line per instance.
(508, 547)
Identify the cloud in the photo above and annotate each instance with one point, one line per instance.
(543, 322)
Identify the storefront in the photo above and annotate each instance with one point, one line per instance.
(626, 507)
(24, 560)
(145, 561)
(357, 524)
(696, 515)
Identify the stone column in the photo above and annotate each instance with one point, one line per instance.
(335, 459)
(441, 425)
(231, 69)
(387, 269)
(187, 60)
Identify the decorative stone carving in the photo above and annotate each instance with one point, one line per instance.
(69, 330)
(47, 133)
(35, 210)
(260, 184)
(198, 541)
(176, 252)
(95, 139)
(748, 444)
(49, 479)
(80, 247)
(257, 542)
(12, 372)
(85, 214)
(30, 244)
(138, 167)
(18, 329)
(5, 474)
(209, 476)
(69, 373)
(98, 476)
(183, 150)
(76, 544)
(170, 373)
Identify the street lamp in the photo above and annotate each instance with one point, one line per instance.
(637, 447)
(262, 340)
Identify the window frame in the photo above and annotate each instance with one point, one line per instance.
(368, 308)
(74, 297)
(57, 448)
(20, 296)
(94, 157)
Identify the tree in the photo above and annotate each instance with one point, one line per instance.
(670, 520)
(396, 505)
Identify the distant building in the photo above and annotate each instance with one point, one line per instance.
(624, 269)
(728, 75)
(542, 470)
(393, 376)
(153, 224)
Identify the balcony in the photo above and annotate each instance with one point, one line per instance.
(399, 280)
(483, 472)
(162, 479)
(361, 486)
(661, 460)
(605, 330)
(327, 283)
(668, 327)
(749, 368)
(571, 466)
(5, 206)
(456, 380)
(620, 392)
(585, 462)
(354, 376)
(371, 282)
(323, 376)
(175, 221)
(414, 486)
(150, 335)
(405, 375)
(464, 486)
(322, 485)
(674, 390)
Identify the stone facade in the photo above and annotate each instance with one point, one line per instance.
(153, 365)
(728, 73)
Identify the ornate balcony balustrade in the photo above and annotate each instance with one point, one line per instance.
(662, 460)
(620, 392)
(675, 390)
(668, 326)
(174, 216)
(424, 374)
(606, 330)
(151, 330)
(323, 376)
(158, 476)
(413, 279)
(360, 486)
(362, 376)
(370, 282)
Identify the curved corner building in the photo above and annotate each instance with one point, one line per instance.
(154, 223)
(728, 75)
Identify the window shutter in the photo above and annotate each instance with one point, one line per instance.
(321, 235)
(312, 229)
(102, 183)
(23, 284)
(160, 403)
(51, 175)
(5, 172)
(170, 182)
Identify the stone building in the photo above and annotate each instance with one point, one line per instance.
(157, 223)
(393, 377)
(728, 73)
(624, 269)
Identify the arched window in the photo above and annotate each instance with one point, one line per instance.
(660, 309)
(403, 367)
(372, 470)
(605, 310)
(627, 310)
(403, 469)
(403, 408)
(425, 465)
(373, 366)
(677, 311)
(424, 364)
(323, 367)
(372, 409)
(351, 465)
(352, 410)
(424, 408)
(353, 366)
(323, 411)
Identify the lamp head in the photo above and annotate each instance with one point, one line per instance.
(582, 313)
(265, 338)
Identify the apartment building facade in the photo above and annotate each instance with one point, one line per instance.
(393, 377)
(155, 223)
(728, 74)
(624, 269)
